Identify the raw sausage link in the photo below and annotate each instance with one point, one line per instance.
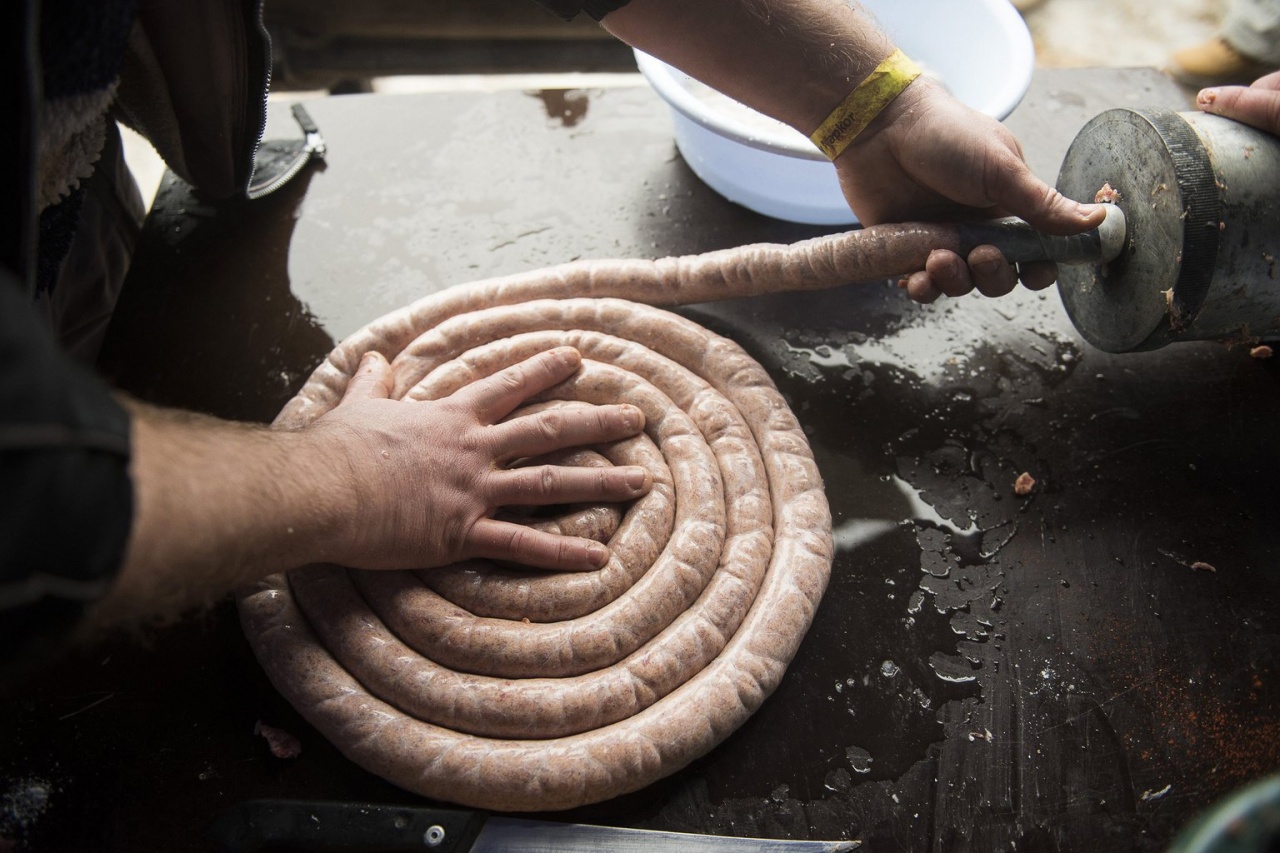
(517, 690)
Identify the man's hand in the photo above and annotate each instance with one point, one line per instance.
(374, 483)
(928, 156)
(1257, 105)
(423, 479)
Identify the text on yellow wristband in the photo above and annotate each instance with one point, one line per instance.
(864, 103)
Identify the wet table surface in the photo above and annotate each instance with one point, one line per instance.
(985, 671)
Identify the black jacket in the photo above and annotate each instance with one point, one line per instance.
(65, 493)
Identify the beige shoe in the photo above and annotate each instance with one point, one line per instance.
(1214, 63)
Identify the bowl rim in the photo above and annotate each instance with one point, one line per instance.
(664, 79)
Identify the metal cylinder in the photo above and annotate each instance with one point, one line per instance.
(1201, 197)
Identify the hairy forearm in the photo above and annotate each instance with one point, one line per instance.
(373, 483)
(216, 504)
(792, 59)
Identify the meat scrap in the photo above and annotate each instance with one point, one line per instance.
(1199, 566)
(1024, 484)
(1108, 195)
(281, 743)
(1262, 351)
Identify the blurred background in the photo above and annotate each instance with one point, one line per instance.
(324, 47)
(320, 41)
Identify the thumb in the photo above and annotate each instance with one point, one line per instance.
(372, 380)
(1021, 193)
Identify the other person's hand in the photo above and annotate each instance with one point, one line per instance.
(1257, 105)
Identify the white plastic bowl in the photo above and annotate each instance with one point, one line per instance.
(980, 49)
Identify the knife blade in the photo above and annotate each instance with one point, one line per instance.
(300, 826)
(535, 836)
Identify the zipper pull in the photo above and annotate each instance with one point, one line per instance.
(314, 142)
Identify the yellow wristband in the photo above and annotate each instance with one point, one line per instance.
(865, 103)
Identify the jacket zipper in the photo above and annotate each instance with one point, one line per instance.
(257, 119)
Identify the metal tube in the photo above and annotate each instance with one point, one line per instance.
(1020, 243)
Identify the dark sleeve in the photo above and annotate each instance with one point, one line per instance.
(66, 500)
(568, 9)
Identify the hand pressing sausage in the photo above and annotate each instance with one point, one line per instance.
(424, 478)
(927, 157)
(1257, 105)
(375, 483)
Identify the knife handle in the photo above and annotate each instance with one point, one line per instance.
(301, 826)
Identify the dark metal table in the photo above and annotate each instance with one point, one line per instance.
(986, 670)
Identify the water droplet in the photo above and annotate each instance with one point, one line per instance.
(952, 669)
(859, 759)
(838, 780)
